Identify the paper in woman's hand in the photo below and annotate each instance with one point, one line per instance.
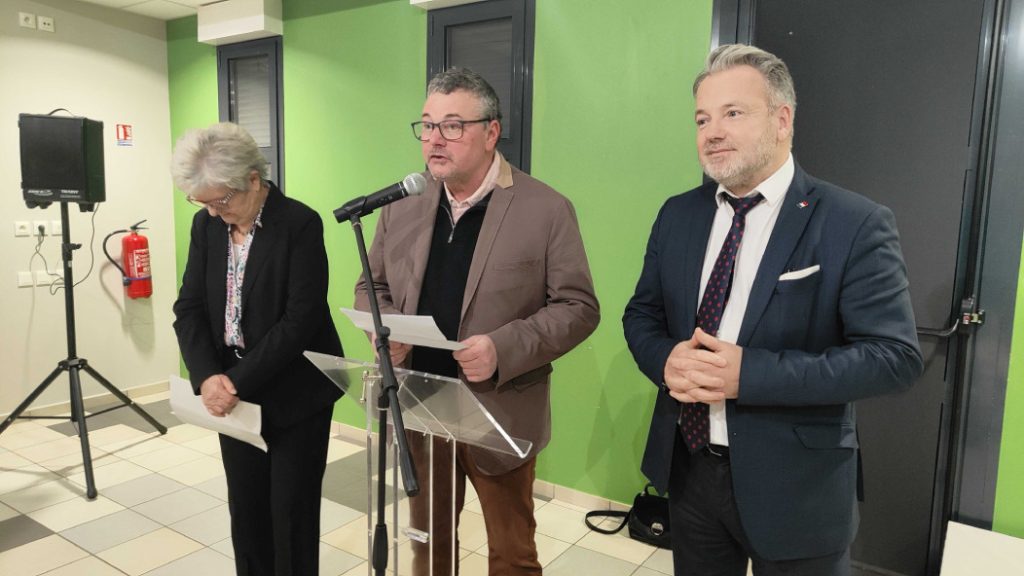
(243, 423)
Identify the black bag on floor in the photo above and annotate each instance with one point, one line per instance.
(647, 519)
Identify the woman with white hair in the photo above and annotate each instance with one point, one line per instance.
(253, 298)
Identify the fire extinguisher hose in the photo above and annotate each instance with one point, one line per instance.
(124, 276)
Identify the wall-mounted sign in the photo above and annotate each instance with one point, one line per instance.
(124, 135)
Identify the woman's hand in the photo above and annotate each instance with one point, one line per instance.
(219, 395)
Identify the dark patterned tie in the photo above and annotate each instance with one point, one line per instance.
(694, 424)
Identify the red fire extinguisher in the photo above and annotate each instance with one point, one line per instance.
(135, 272)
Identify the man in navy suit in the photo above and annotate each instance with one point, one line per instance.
(768, 303)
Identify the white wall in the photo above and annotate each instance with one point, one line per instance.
(109, 66)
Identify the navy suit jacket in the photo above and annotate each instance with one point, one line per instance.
(811, 347)
(285, 311)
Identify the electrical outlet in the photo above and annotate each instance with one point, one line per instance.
(22, 228)
(27, 20)
(43, 278)
(40, 228)
(24, 279)
(56, 229)
(45, 23)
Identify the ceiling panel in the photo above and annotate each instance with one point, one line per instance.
(159, 9)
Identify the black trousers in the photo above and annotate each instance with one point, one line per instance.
(707, 536)
(274, 498)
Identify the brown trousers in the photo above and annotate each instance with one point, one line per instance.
(506, 500)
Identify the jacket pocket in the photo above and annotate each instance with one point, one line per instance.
(800, 285)
(530, 378)
(826, 436)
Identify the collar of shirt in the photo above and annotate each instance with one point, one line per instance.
(459, 207)
(773, 188)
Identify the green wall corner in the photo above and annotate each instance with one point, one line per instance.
(612, 129)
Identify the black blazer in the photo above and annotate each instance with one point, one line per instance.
(285, 311)
(812, 345)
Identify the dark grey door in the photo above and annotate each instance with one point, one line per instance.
(885, 96)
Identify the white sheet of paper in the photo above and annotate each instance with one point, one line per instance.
(415, 330)
(243, 423)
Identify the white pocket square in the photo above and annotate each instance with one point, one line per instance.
(798, 274)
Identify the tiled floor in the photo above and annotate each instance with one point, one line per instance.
(161, 509)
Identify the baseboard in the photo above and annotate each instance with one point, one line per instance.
(349, 433)
(541, 488)
(96, 400)
(862, 569)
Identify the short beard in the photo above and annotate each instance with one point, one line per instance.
(740, 173)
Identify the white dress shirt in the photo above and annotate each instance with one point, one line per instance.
(760, 223)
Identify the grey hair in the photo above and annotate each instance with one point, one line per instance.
(457, 78)
(222, 155)
(772, 68)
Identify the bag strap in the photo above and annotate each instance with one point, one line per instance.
(606, 514)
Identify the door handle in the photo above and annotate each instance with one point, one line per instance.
(940, 333)
(970, 316)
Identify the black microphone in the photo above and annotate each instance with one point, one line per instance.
(413, 185)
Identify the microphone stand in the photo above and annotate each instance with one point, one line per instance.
(388, 398)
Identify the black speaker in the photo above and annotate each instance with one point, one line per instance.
(61, 159)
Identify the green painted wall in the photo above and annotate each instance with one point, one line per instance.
(612, 130)
(353, 81)
(192, 79)
(1009, 507)
(612, 126)
(192, 83)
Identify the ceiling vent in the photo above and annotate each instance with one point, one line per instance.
(230, 21)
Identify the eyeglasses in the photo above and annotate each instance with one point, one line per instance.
(450, 129)
(218, 203)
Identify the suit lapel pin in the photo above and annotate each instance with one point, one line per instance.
(802, 204)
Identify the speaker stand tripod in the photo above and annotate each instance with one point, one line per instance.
(73, 365)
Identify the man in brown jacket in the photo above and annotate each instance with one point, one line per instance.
(496, 258)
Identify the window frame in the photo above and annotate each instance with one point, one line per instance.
(272, 49)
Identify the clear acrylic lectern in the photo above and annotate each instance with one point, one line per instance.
(439, 412)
